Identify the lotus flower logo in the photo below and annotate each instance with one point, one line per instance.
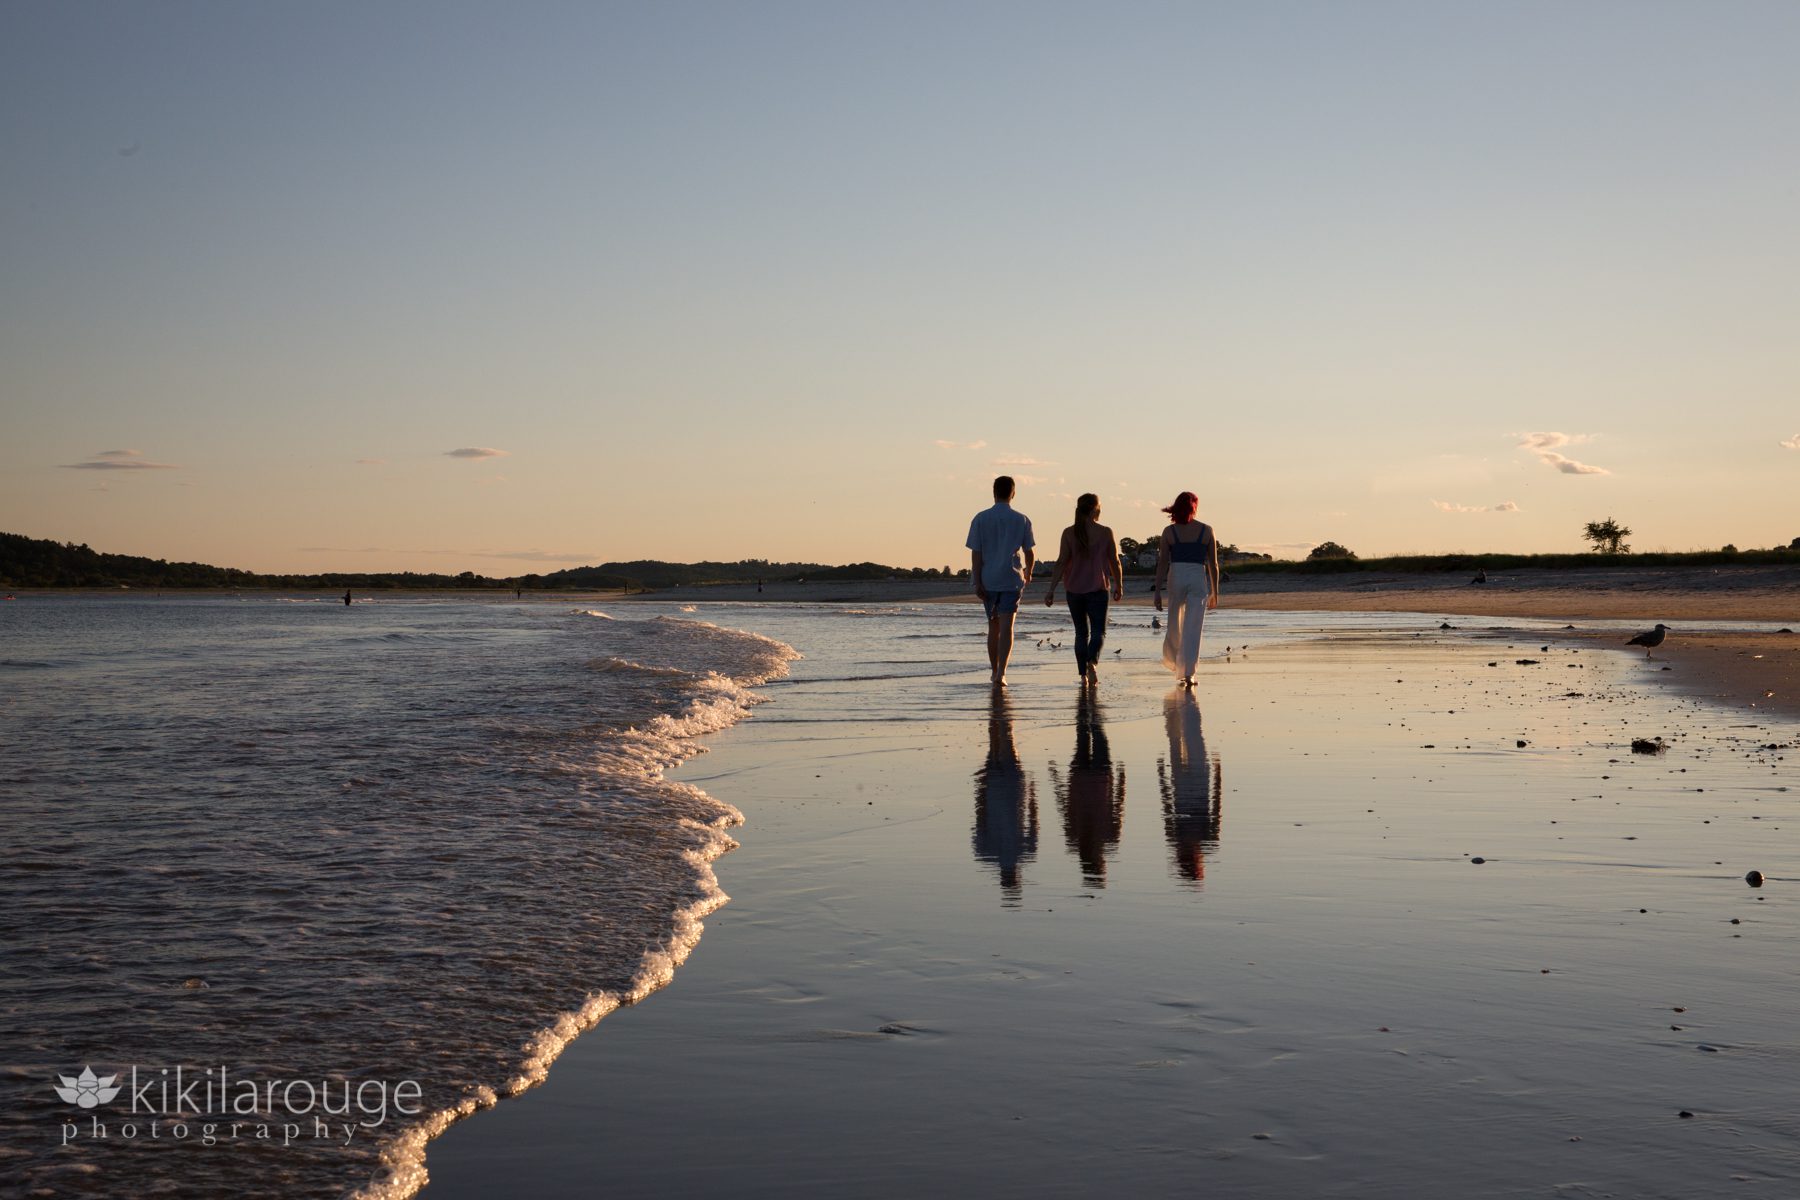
(87, 1089)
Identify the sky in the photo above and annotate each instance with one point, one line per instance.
(448, 286)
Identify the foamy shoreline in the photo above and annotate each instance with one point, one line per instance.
(1440, 931)
(1735, 668)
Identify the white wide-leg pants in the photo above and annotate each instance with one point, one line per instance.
(1188, 590)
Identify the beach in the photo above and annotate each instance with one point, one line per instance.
(1714, 650)
(716, 898)
(1380, 909)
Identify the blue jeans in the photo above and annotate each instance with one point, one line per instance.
(1088, 610)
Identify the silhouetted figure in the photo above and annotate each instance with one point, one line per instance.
(1087, 565)
(1092, 797)
(346, 597)
(1006, 817)
(1650, 639)
(1191, 783)
(1480, 576)
(1187, 561)
(1000, 563)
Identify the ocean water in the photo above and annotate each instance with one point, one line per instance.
(363, 871)
(337, 850)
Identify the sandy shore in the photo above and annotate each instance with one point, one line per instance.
(1385, 914)
(1759, 670)
(1705, 594)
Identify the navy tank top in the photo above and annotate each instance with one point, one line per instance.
(1200, 550)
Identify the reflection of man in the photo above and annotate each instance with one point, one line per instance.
(1191, 784)
(998, 536)
(1092, 798)
(1006, 820)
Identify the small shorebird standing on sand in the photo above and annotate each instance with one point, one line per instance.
(1650, 640)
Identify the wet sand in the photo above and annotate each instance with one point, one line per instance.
(1735, 668)
(1369, 916)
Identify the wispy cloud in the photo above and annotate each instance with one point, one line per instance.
(1029, 480)
(1547, 445)
(475, 452)
(1792, 443)
(371, 462)
(119, 460)
(947, 444)
(1447, 506)
(1019, 460)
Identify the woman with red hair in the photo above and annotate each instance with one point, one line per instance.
(1187, 563)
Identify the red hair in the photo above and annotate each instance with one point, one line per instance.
(1182, 511)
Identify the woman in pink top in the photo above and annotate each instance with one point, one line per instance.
(1088, 567)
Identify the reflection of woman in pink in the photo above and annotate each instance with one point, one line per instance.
(1092, 795)
(1187, 562)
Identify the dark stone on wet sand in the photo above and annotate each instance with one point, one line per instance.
(1754, 878)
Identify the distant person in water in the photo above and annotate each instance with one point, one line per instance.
(346, 597)
(1187, 563)
(1087, 565)
(1000, 562)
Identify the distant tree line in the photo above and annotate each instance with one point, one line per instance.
(37, 562)
(34, 562)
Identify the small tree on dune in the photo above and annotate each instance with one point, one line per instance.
(1331, 550)
(1608, 537)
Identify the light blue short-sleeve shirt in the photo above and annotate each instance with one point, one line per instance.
(1000, 533)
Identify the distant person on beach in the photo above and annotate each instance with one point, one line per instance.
(1187, 562)
(1087, 565)
(1000, 562)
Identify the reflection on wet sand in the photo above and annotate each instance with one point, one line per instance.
(1092, 796)
(1191, 785)
(1006, 817)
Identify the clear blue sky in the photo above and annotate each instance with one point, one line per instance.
(719, 278)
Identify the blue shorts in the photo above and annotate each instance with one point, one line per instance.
(998, 604)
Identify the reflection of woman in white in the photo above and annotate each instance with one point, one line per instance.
(1187, 563)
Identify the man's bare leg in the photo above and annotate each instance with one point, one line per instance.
(1000, 643)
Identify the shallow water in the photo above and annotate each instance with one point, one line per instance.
(1234, 941)
(296, 841)
(433, 841)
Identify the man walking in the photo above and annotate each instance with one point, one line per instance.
(998, 537)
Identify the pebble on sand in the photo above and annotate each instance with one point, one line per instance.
(1754, 878)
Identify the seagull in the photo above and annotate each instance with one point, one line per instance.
(1650, 640)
